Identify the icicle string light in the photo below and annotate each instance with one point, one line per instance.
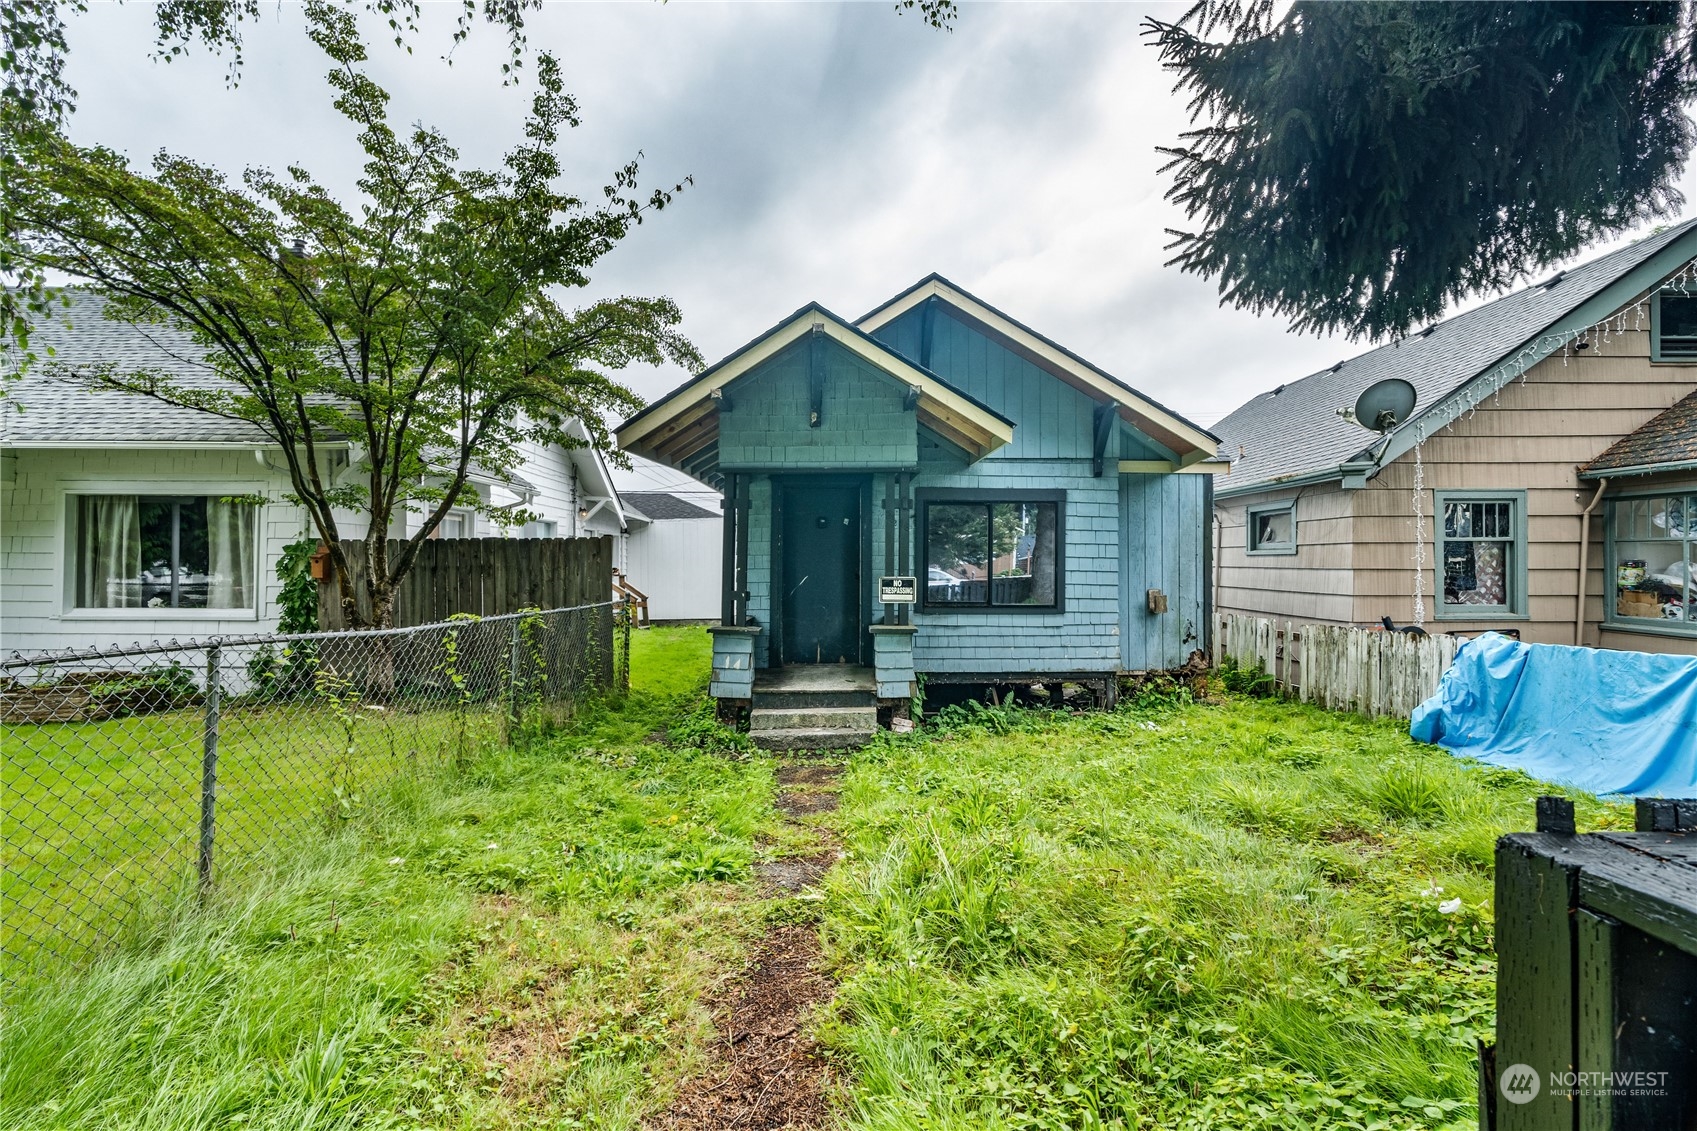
(1420, 532)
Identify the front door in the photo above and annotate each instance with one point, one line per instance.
(820, 532)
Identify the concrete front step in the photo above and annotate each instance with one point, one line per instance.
(797, 700)
(814, 718)
(809, 738)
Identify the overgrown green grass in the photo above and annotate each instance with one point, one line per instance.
(102, 818)
(1248, 915)
(522, 944)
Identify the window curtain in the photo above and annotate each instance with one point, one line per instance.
(229, 536)
(109, 569)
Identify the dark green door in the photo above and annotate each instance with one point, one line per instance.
(821, 573)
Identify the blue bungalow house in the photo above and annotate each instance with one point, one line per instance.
(934, 490)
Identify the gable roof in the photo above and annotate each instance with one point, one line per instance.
(1189, 440)
(1667, 442)
(662, 505)
(1294, 433)
(684, 423)
(48, 408)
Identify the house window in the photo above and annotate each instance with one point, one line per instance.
(541, 528)
(457, 524)
(1000, 551)
(1271, 529)
(1481, 554)
(1673, 326)
(163, 552)
(1653, 552)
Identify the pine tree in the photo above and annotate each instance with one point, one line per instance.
(1362, 166)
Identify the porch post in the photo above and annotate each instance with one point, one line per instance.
(890, 612)
(728, 568)
(741, 610)
(904, 504)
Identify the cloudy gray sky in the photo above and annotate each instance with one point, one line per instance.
(840, 152)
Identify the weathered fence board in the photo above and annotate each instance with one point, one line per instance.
(484, 576)
(1339, 667)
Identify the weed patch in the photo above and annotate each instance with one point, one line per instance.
(1249, 914)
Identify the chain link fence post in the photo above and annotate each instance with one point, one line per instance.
(209, 769)
(515, 656)
(104, 748)
(629, 610)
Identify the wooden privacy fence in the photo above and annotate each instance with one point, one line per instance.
(485, 576)
(1338, 666)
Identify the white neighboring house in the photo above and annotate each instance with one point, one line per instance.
(674, 554)
(111, 524)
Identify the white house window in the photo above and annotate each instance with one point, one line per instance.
(1001, 552)
(1653, 548)
(1271, 529)
(541, 528)
(1481, 555)
(1673, 326)
(164, 552)
(457, 524)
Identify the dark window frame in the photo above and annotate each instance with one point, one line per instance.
(1656, 354)
(925, 496)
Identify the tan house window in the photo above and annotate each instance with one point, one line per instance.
(1653, 553)
(1481, 555)
(1673, 326)
(1271, 529)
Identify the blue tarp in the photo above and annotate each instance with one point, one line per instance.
(1605, 722)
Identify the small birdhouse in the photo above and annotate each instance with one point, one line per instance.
(319, 563)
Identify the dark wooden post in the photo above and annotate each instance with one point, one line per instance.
(742, 550)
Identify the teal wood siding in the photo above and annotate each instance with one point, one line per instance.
(862, 421)
(1084, 637)
(1166, 522)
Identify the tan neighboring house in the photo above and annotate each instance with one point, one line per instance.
(1555, 425)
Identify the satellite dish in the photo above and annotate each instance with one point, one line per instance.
(1385, 404)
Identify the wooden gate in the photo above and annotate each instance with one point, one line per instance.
(485, 576)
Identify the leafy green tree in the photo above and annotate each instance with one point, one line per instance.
(1361, 166)
(421, 326)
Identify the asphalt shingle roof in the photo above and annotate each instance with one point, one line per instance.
(1668, 438)
(663, 505)
(1295, 430)
(46, 406)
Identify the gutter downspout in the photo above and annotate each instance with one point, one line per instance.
(1585, 563)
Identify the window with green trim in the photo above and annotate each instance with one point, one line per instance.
(1652, 555)
(1673, 325)
(1481, 555)
(1271, 529)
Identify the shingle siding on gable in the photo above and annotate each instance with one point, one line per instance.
(863, 421)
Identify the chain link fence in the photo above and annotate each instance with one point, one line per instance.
(138, 778)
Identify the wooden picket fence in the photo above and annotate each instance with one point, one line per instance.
(1340, 667)
(485, 576)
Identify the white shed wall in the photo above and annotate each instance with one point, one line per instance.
(678, 562)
